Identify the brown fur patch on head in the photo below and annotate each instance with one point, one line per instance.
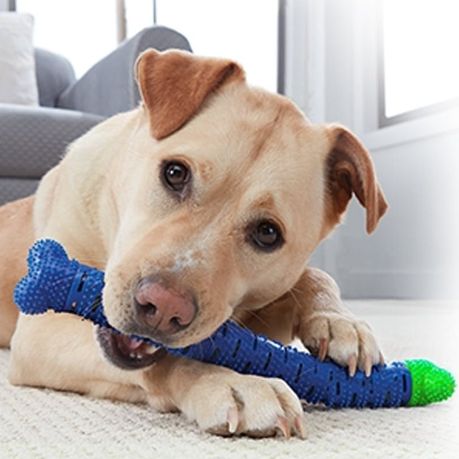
(350, 170)
(175, 84)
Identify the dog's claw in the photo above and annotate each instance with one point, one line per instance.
(352, 365)
(323, 348)
(382, 361)
(368, 366)
(300, 426)
(283, 425)
(232, 419)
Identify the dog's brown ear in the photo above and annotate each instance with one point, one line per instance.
(174, 84)
(350, 170)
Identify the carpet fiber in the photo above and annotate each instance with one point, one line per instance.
(37, 423)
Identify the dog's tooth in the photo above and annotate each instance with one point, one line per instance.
(133, 355)
(150, 350)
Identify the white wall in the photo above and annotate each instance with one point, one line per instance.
(3, 5)
(415, 251)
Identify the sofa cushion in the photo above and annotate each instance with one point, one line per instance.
(33, 140)
(18, 83)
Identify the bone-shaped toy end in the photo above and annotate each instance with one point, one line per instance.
(47, 265)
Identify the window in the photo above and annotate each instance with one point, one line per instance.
(83, 31)
(420, 68)
(244, 30)
(139, 15)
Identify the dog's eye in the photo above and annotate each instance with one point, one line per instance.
(175, 175)
(265, 235)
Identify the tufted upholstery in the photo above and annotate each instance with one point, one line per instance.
(33, 140)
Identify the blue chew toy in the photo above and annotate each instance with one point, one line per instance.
(56, 283)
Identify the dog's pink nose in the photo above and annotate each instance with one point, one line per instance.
(162, 309)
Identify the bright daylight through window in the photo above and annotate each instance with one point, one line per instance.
(85, 31)
(421, 48)
(237, 29)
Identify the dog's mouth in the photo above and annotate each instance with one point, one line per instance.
(127, 352)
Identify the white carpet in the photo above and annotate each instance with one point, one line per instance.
(38, 423)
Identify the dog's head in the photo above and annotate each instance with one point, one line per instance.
(221, 196)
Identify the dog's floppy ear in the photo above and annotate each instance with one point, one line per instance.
(350, 170)
(174, 84)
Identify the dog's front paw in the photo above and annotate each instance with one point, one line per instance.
(227, 403)
(346, 340)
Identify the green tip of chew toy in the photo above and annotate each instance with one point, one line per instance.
(430, 383)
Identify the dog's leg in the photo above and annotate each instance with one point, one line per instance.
(314, 312)
(224, 402)
(60, 352)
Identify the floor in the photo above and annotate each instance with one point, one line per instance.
(45, 424)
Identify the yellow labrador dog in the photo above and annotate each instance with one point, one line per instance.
(202, 204)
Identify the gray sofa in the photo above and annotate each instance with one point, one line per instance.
(33, 139)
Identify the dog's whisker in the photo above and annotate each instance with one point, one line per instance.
(258, 317)
(296, 289)
(295, 299)
(240, 323)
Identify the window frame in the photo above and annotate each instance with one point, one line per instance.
(281, 44)
(421, 112)
(325, 39)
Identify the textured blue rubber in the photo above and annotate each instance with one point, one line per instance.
(312, 380)
(56, 283)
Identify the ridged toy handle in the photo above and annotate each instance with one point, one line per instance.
(54, 282)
